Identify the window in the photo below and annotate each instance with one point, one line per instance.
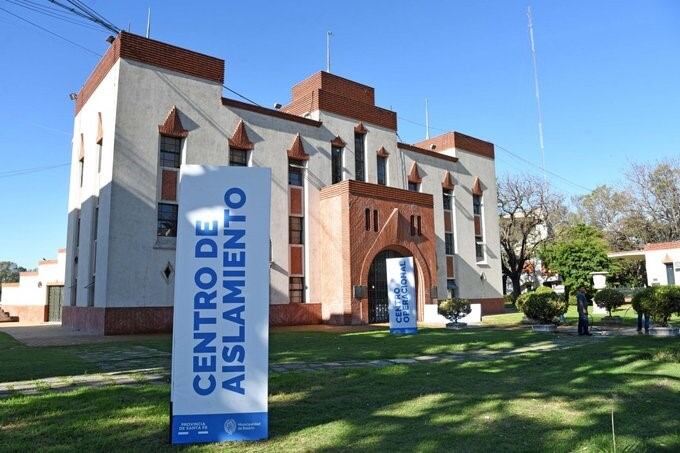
(238, 158)
(171, 152)
(479, 250)
(477, 205)
(452, 288)
(447, 195)
(295, 168)
(295, 230)
(382, 170)
(413, 225)
(167, 220)
(359, 157)
(448, 239)
(77, 238)
(413, 186)
(336, 164)
(296, 289)
(375, 220)
(99, 162)
(418, 220)
(81, 168)
(367, 214)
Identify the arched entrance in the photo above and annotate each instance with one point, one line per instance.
(377, 287)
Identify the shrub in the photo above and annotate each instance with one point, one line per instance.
(609, 299)
(521, 299)
(509, 299)
(642, 299)
(543, 307)
(454, 309)
(665, 302)
(543, 290)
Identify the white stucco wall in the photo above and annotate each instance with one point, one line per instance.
(32, 289)
(656, 268)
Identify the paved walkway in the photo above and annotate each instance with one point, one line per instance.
(118, 365)
(53, 334)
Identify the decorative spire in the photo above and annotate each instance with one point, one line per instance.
(360, 129)
(448, 183)
(414, 176)
(382, 152)
(297, 151)
(338, 142)
(172, 127)
(477, 187)
(240, 138)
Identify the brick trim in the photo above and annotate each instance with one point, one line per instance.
(453, 139)
(154, 53)
(269, 112)
(10, 285)
(425, 152)
(370, 190)
(414, 175)
(338, 142)
(447, 182)
(172, 126)
(240, 138)
(360, 128)
(477, 187)
(382, 152)
(297, 150)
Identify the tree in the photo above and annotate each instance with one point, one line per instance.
(575, 252)
(607, 209)
(656, 199)
(9, 272)
(529, 212)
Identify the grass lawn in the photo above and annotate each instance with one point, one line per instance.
(549, 401)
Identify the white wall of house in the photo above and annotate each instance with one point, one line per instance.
(33, 286)
(655, 263)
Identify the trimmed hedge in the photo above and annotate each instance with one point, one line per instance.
(661, 302)
(542, 306)
(454, 309)
(609, 299)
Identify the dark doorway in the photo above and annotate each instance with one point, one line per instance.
(55, 296)
(670, 274)
(377, 287)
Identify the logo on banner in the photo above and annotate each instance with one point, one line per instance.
(401, 295)
(230, 426)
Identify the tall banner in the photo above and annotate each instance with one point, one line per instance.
(401, 293)
(220, 336)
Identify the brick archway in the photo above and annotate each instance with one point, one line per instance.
(392, 237)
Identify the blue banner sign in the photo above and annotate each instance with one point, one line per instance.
(401, 289)
(220, 342)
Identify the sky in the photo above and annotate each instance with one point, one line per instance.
(609, 75)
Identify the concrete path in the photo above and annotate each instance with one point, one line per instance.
(117, 365)
(53, 334)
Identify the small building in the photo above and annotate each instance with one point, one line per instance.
(38, 295)
(662, 262)
(346, 194)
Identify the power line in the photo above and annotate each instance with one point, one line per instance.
(27, 171)
(241, 96)
(517, 156)
(50, 32)
(50, 12)
(81, 9)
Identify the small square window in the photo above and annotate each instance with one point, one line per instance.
(479, 249)
(413, 186)
(295, 230)
(238, 158)
(296, 289)
(447, 195)
(448, 239)
(295, 169)
(382, 170)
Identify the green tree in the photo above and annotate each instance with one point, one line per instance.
(9, 272)
(575, 252)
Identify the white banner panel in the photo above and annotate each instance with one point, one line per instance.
(401, 292)
(220, 342)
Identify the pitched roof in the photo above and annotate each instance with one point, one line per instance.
(477, 187)
(360, 128)
(172, 127)
(382, 152)
(337, 141)
(413, 175)
(447, 182)
(663, 245)
(240, 138)
(297, 151)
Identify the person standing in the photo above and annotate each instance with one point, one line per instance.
(640, 314)
(582, 308)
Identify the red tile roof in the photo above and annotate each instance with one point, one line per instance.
(663, 245)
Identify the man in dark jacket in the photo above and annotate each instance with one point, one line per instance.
(582, 307)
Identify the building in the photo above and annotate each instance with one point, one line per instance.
(662, 262)
(38, 295)
(345, 194)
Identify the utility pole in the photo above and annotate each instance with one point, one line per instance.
(328, 50)
(148, 23)
(537, 91)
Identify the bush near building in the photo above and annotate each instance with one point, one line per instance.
(454, 309)
(542, 306)
(609, 299)
(661, 302)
